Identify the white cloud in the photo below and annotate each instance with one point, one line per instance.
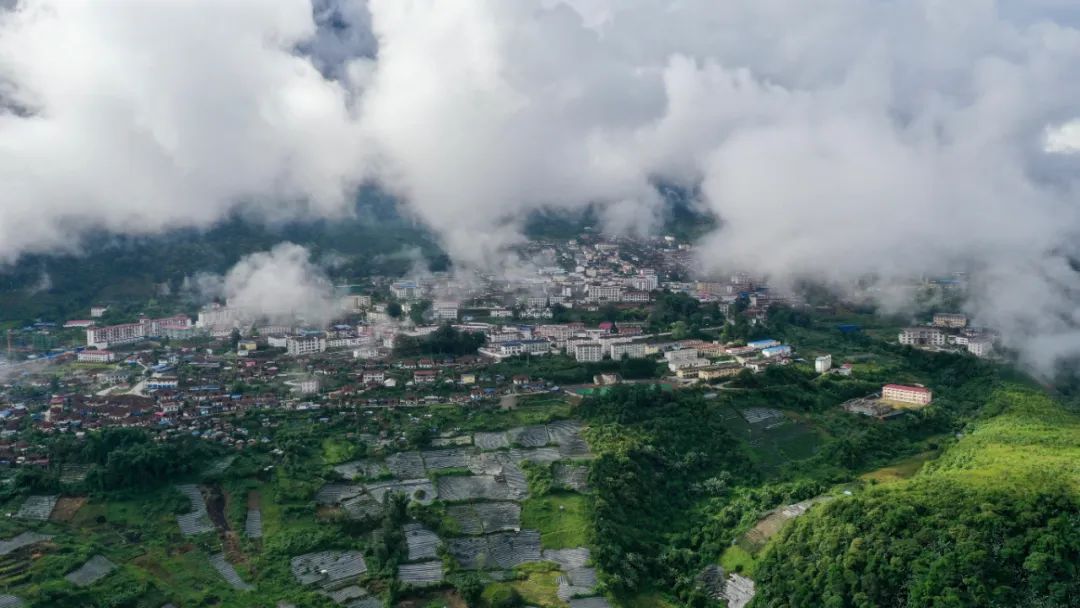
(834, 138)
(280, 286)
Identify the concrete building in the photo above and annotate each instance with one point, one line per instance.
(445, 311)
(308, 386)
(102, 338)
(305, 345)
(588, 352)
(96, 356)
(405, 290)
(96, 312)
(914, 395)
(762, 344)
(823, 364)
(782, 350)
(605, 293)
(633, 350)
(922, 336)
(714, 372)
(950, 320)
(980, 347)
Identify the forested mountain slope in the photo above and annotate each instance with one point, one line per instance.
(994, 522)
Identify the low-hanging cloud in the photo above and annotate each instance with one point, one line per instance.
(834, 138)
(279, 286)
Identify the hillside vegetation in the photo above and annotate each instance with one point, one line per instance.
(994, 522)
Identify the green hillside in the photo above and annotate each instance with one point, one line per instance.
(994, 522)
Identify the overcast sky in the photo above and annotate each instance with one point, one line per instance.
(833, 137)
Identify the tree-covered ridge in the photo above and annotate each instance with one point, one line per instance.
(994, 522)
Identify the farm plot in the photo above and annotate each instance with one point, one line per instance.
(762, 415)
(589, 602)
(229, 573)
(567, 559)
(361, 507)
(562, 431)
(756, 538)
(502, 550)
(253, 524)
(491, 441)
(450, 458)
(336, 493)
(22, 540)
(347, 594)
(576, 582)
(535, 455)
(362, 469)
(460, 488)
(451, 440)
(72, 473)
(97, 568)
(423, 543)
(421, 574)
(38, 508)
(529, 436)
(330, 569)
(486, 517)
(420, 490)
(571, 477)
(220, 465)
(10, 601)
(406, 465)
(198, 520)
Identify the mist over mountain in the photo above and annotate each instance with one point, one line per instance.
(831, 139)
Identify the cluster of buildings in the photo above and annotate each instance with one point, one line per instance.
(949, 332)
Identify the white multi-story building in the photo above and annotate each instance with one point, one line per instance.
(356, 302)
(405, 290)
(636, 296)
(633, 350)
(96, 312)
(305, 345)
(915, 395)
(588, 352)
(823, 364)
(980, 347)
(102, 338)
(645, 282)
(681, 355)
(445, 311)
(922, 336)
(96, 356)
(605, 293)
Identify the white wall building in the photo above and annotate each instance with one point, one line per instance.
(823, 364)
(305, 345)
(922, 336)
(588, 352)
(633, 350)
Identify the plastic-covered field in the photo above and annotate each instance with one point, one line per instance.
(567, 559)
(420, 490)
(97, 568)
(253, 524)
(335, 493)
(10, 601)
(449, 458)
(229, 573)
(362, 506)
(421, 574)
(197, 521)
(529, 436)
(571, 476)
(589, 602)
(502, 550)
(362, 469)
(486, 517)
(37, 507)
(461, 488)
(406, 465)
(423, 543)
(22, 540)
(329, 569)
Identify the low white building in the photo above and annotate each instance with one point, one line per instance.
(980, 347)
(445, 311)
(96, 356)
(922, 336)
